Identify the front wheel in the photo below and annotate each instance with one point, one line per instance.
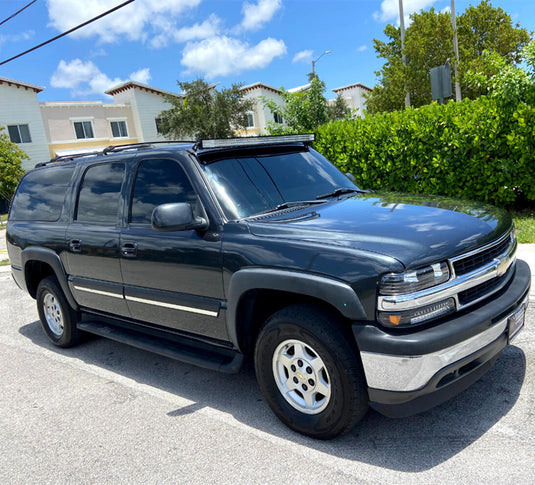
(57, 317)
(310, 372)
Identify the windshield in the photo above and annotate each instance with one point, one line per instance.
(250, 185)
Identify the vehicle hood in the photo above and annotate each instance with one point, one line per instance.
(414, 229)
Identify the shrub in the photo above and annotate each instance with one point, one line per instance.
(480, 150)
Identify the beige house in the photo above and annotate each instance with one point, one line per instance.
(132, 117)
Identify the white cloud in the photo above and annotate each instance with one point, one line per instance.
(255, 15)
(362, 48)
(222, 56)
(169, 32)
(142, 76)
(136, 21)
(16, 37)
(84, 78)
(303, 56)
(390, 9)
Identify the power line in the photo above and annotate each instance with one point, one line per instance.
(16, 13)
(66, 33)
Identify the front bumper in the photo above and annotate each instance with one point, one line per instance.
(411, 372)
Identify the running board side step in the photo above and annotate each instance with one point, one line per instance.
(199, 354)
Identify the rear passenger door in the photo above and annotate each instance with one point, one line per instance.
(172, 279)
(93, 256)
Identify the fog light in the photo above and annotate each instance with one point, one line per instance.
(418, 315)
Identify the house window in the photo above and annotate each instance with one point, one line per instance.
(83, 129)
(278, 118)
(158, 125)
(19, 133)
(118, 129)
(250, 120)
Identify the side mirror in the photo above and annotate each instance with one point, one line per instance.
(176, 217)
(351, 177)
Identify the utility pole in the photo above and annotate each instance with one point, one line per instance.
(456, 50)
(402, 27)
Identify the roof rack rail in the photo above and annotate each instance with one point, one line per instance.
(140, 146)
(244, 141)
(68, 158)
(111, 149)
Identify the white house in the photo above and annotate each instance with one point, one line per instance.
(355, 96)
(21, 117)
(259, 118)
(146, 103)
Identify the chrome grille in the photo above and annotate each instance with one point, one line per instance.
(470, 263)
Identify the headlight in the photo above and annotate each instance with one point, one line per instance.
(412, 281)
(395, 284)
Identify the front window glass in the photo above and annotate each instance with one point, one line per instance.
(158, 182)
(247, 186)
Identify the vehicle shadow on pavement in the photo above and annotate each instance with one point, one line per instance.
(411, 444)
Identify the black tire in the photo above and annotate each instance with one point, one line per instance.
(309, 371)
(57, 316)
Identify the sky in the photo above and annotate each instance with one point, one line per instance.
(158, 42)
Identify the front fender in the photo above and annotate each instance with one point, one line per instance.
(335, 292)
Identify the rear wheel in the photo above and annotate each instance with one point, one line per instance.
(310, 372)
(57, 317)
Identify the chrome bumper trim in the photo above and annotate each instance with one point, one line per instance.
(412, 372)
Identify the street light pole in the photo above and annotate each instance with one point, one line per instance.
(402, 28)
(314, 62)
(456, 50)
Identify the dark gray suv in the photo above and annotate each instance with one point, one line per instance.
(213, 251)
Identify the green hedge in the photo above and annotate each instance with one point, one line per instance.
(476, 150)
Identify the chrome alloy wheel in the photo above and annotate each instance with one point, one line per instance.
(53, 314)
(301, 377)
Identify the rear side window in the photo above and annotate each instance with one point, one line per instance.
(100, 193)
(158, 182)
(41, 194)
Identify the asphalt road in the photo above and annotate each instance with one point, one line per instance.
(104, 412)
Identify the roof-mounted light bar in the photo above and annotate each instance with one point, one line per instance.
(256, 141)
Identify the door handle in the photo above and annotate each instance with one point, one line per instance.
(129, 250)
(75, 246)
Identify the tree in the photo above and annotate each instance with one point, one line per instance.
(510, 84)
(205, 112)
(304, 110)
(428, 43)
(338, 110)
(11, 171)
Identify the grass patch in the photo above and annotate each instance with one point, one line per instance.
(525, 226)
(5, 262)
(3, 217)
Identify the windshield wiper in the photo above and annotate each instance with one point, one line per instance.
(341, 191)
(286, 205)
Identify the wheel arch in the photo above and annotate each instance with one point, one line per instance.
(251, 291)
(38, 263)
